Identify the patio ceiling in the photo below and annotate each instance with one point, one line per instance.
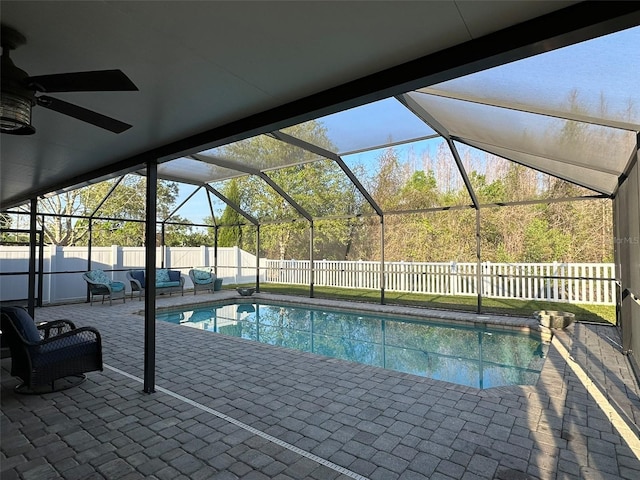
(210, 73)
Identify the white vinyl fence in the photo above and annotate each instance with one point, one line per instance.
(63, 267)
(562, 282)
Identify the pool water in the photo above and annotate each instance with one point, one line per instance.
(467, 355)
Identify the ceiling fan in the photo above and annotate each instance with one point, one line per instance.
(19, 92)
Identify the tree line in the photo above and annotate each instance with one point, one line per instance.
(426, 205)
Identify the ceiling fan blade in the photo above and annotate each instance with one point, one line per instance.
(95, 81)
(89, 116)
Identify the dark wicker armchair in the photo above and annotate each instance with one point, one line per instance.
(49, 352)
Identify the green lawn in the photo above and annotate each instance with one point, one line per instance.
(590, 313)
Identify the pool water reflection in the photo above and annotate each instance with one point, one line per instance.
(466, 355)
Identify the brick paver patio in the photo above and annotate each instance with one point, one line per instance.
(227, 408)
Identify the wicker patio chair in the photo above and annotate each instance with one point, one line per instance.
(202, 279)
(136, 280)
(100, 284)
(44, 354)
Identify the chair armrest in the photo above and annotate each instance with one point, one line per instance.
(73, 337)
(67, 339)
(55, 328)
(99, 284)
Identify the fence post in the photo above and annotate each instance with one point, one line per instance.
(204, 257)
(324, 272)
(294, 273)
(281, 270)
(169, 257)
(50, 266)
(113, 261)
(611, 285)
(487, 279)
(453, 278)
(237, 255)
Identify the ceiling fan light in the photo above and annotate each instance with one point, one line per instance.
(15, 115)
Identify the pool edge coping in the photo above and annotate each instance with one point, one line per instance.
(516, 323)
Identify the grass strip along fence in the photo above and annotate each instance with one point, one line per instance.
(502, 306)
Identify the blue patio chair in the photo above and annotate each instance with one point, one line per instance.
(49, 352)
(202, 279)
(100, 284)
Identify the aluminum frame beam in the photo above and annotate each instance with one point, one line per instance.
(563, 115)
(419, 111)
(233, 205)
(330, 156)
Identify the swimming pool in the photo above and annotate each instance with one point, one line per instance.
(479, 357)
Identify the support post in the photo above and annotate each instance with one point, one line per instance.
(311, 260)
(162, 245)
(382, 276)
(150, 273)
(32, 257)
(41, 264)
(215, 250)
(257, 258)
(89, 242)
(479, 261)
